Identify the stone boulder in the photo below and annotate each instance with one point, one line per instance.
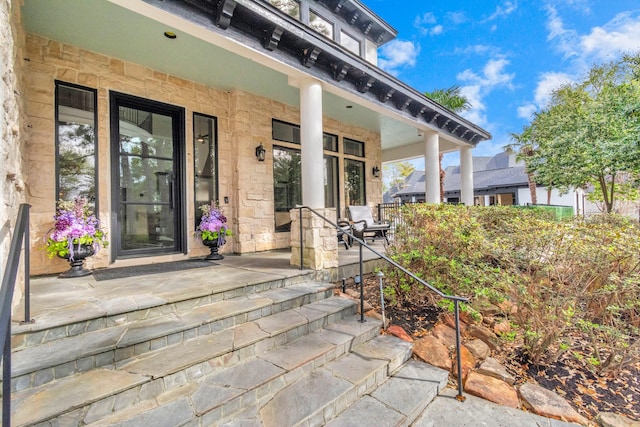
(491, 389)
(544, 402)
(485, 335)
(609, 419)
(445, 334)
(468, 362)
(432, 351)
(492, 368)
(399, 332)
(479, 349)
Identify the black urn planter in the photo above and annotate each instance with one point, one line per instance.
(213, 249)
(77, 264)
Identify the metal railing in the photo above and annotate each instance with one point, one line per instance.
(362, 244)
(20, 236)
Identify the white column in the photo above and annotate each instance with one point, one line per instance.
(466, 176)
(311, 141)
(432, 167)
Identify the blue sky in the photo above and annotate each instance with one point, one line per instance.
(507, 56)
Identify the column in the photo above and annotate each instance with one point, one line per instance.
(432, 167)
(466, 176)
(311, 138)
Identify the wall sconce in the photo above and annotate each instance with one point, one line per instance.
(376, 171)
(260, 152)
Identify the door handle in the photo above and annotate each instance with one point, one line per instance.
(170, 179)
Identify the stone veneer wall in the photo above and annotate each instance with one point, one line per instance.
(244, 121)
(12, 192)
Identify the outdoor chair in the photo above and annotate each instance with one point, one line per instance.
(364, 226)
(344, 227)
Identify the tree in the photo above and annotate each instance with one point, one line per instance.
(396, 173)
(589, 135)
(524, 147)
(455, 101)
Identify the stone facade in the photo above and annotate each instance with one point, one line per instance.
(244, 121)
(12, 133)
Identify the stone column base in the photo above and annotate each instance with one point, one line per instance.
(319, 239)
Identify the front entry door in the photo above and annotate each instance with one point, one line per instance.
(147, 152)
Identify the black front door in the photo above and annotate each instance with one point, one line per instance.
(147, 157)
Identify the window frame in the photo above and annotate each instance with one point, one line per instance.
(213, 141)
(96, 177)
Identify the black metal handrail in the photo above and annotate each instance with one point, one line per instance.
(456, 299)
(20, 236)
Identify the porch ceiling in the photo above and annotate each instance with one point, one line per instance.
(135, 33)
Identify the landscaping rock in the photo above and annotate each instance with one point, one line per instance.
(432, 351)
(508, 307)
(485, 335)
(468, 362)
(449, 320)
(479, 349)
(548, 404)
(445, 334)
(502, 327)
(492, 368)
(484, 306)
(397, 331)
(609, 419)
(491, 389)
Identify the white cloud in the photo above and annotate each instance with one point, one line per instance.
(477, 49)
(427, 24)
(565, 41)
(477, 86)
(456, 18)
(398, 54)
(503, 10)
(547, 83)
(621, 34)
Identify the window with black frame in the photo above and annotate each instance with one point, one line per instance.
(76, 136)
(205, 162)
(287, 185)
(354, 183)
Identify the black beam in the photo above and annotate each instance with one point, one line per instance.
(273, 37)
(225, 13)
(309, 56)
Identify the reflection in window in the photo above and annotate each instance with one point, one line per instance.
(331, 182)
(354, 182)
(287, 185)
(205, 162)
(330, 142)
(353, 147)
(283, 131)
(290, 7)
(350, 42)
(76, 143)
(320, 24)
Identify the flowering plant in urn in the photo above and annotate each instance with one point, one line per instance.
(213, 228)
(76, 235)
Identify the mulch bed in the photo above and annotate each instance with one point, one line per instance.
(568, 375)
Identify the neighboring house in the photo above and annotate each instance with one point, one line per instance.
(498, 180)
(153, 108)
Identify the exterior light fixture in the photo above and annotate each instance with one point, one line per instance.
(376, 171)
(260, 152)
(170, 35)
(202, 138)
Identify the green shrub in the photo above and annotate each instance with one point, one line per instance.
(563, 276)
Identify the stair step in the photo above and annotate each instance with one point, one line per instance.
(399, 401)
(37, 364)
(173, 370)
(237, 392)
(69, 394)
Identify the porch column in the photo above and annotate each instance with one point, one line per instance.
(466, 176)
(432, 167)
(311, 138)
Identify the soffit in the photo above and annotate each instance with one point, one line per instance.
(135, 33)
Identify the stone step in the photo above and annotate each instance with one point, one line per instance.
(38, 364)
(114, 311)
(302, 368)
(166, 374)
(399, 401)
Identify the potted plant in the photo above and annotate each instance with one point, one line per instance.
(76, 235)
(213, 229)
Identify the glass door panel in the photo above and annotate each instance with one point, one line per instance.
(148, 196)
